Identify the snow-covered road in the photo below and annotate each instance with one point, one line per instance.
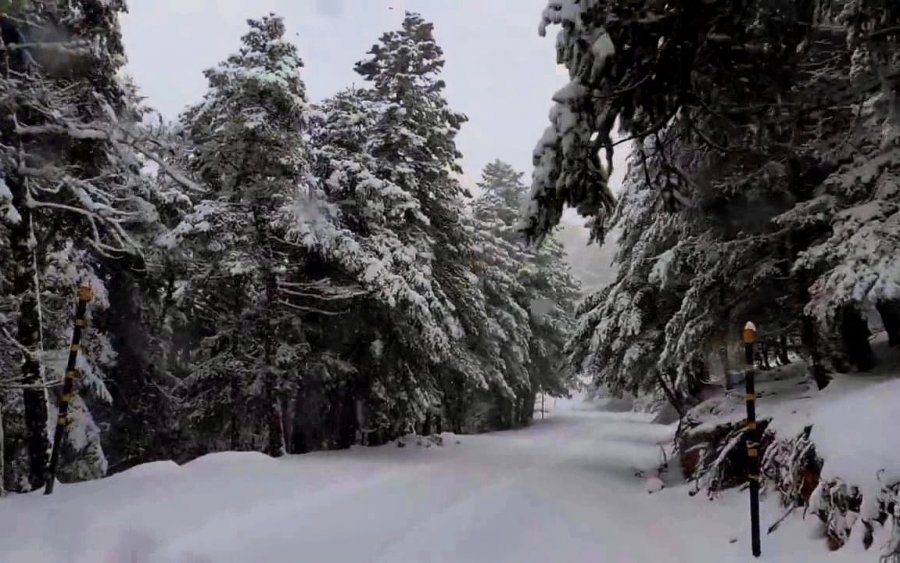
(562, 490)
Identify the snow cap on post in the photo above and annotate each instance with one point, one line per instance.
(749, 333)
(85, 292)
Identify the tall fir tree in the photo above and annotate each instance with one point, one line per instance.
(382, 241)
(414, 143)
(727, 217)
(246, 148)
(73, 204)
(538, 299)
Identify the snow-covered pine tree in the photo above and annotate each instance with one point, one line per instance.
(246, 287)
(382, 241)
(642, 64)
(530, 292)
(502, 348)
(554, 294)
(853, 265)
(692, 275)
(413, 142)
(71, 201)
(619, 332)
(727, 200)
(144, 324)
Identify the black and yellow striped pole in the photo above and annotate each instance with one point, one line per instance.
(753, 442)
(85, 295)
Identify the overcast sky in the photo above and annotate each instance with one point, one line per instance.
(499, 72)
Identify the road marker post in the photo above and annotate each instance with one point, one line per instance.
(85, 295)
(748, 335)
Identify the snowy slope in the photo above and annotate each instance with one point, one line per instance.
(563, 490)
(849, 418)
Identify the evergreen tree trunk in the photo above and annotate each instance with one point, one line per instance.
(347, 430)
(810, 341)
(2, 452)
(455, 404)
(726, 366)
(783, 358)
(28, 335)
(129, 439)
(287, 407)
(276, 446)
(426, 425)
(234, 424)
(235, 378)
(360, 413)
(890, 318)
(528, 402)
(671, 395)
(169, 328)
(854, 333)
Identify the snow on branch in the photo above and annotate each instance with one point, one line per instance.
(115, 133)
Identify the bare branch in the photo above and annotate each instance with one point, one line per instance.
(655, 128)
(306, 309)
(170, 171)
(14, 341)
(101, 131)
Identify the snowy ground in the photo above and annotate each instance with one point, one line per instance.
(849, 417)
(563, 490)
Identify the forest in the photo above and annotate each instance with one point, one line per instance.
(761, 185)
(277, 275)
(269, 274)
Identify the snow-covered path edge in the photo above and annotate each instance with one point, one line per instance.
(562, 490)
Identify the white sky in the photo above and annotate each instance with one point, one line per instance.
(499, 72)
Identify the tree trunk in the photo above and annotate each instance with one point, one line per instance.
(890, 318)
(542, 405)
(455, 406)
(854, 333)
(28, 335)
(234, 423)
(276, 447)
(362, 423)
(141, 368)
(726, 366)
(528, 407)
(671, 395)
(2, 453)
(810, 341)
(238, 401)
(287, 417)
(347, 421)
(783, 358)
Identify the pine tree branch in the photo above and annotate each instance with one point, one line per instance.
(127, 245)
(625, 90)
(884, 31)
(30, 386)
(655, 128)
(14, 341)
(315, 310)
(100, 131)
(170, 171)
(62, 45)
(321, 297)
